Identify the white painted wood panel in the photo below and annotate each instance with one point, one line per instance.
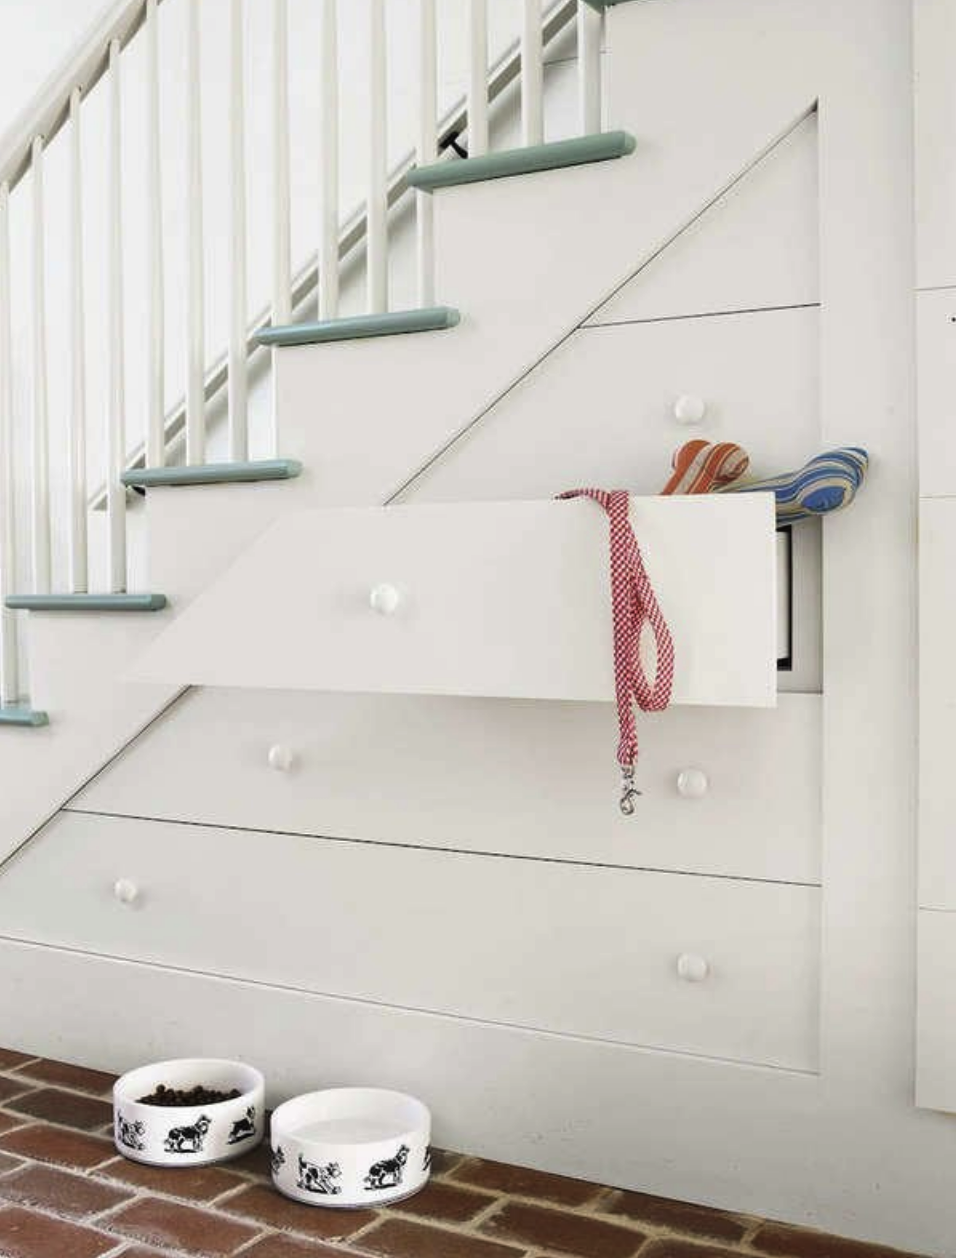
(934, 38)
(936, 366)
(937, 621)
(600, 409)
(937, 798)
(514, 777)
(504, 599)
(578, 951)
(936, 1011)
(756, 246)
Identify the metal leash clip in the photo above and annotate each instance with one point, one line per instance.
(629, 791)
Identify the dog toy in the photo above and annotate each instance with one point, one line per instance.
(700, 467)
(826, 483)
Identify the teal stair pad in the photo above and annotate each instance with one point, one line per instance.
(23, 716)
(430, 319)
(523, 161)
(212, 473)
(87, 602)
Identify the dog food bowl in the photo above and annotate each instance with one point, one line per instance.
(162, 1135)
(351, 1147)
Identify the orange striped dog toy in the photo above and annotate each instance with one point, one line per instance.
(700, 467)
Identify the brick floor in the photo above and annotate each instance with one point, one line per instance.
(64, 1193)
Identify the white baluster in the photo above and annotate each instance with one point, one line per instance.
(377, 202)
(329, 158)
(156, 318)
(195, 284)
(427, 149)
(9, 671)
(532, 74)
(589, 68)
(77, 446)
(282, 255)
(478, 77)
(41, 438)
(238, 272)
(116, 434)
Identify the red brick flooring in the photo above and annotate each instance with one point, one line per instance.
(65, 1194)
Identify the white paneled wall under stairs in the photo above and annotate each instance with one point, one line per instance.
(488, 257)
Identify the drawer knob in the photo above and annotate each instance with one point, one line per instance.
(689, 409)
(126, 891)
(281, 758)
(692, 783)
(692, 968)
(384, 599)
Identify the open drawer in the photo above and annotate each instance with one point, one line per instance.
(499, 599)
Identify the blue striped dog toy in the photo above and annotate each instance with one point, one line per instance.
(826, 483)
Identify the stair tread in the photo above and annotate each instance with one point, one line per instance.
(87, 602)
(353, 327)
(17, 714)
(213, 473)
(579, 151)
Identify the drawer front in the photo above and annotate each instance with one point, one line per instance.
(503, 598)
(936, 1011)
(600, 409)
(522, 779)
(580, 951)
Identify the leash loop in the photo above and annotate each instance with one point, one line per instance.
(633, 606)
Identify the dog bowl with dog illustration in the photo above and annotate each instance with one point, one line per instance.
(351, 1147)
(189, 1135)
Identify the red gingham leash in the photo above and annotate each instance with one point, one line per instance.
(633, 604)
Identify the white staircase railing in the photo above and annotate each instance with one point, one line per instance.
(58, 114)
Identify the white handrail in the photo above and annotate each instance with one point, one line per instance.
(478, 77)
(82, 68)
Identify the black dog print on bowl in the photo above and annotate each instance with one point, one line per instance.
(388, 1173)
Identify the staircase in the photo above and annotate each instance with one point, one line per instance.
(73, 546)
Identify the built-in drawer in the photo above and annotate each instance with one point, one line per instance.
(504, 599)
(520, 778)
(936, 1011)
(600, 409)
(713, 966)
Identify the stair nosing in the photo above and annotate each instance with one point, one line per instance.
(362, 327)
(213, 473)
(87, 602)
(25, 718)
(582, 150)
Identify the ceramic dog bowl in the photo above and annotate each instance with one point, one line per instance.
(350, 1147)
(162, 1135)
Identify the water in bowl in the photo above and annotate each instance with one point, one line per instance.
(350, 1130)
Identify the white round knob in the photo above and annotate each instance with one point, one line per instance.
(692, 783)
(689, 409)
(691, 968)
(281, 758)
(384, 599)
(126, 891)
